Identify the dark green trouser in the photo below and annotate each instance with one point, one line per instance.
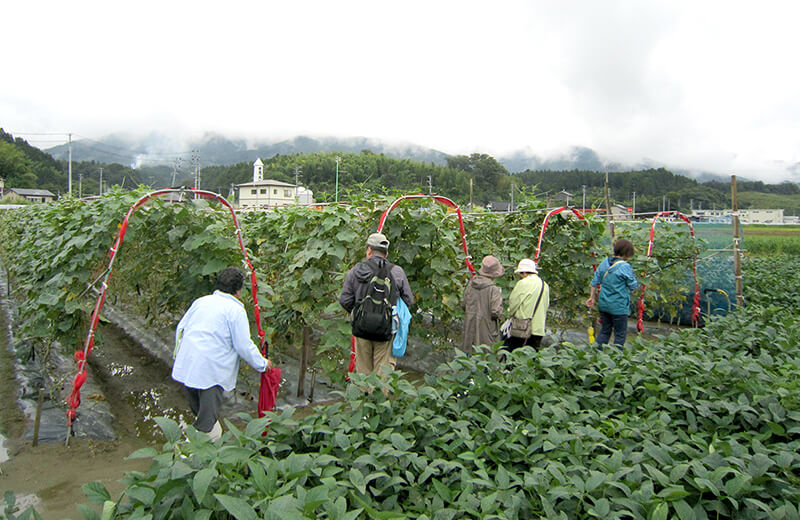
(205, 404)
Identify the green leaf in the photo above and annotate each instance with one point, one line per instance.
(257, 426)
(488, 502)
(283, 507)
(601, 508)
(96, 492)
(87, 512)
(594, 481)
(237, 507)
(357, 479)
(142, 494)
(683, 510)
(109, 508)
(735, 485)
(142, 453)
(660, 512)
(310, 276)
(180, 469)
(314, 498)
(202, 514)
(170, 428)
(234, 455)
(399, 442)
(201, 482)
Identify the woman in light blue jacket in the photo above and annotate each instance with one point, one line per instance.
(614, 280)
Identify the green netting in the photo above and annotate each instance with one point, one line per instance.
(715, 268)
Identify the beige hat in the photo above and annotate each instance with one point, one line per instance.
(491, 267)
(526, 265)
(378, 241)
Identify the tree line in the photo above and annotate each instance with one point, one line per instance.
(477, 178)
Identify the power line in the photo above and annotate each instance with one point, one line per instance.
(39, 133)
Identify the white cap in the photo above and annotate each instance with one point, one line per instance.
(526, 265)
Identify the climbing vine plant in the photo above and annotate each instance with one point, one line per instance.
(300, 255)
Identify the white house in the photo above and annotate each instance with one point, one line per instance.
(264, 194)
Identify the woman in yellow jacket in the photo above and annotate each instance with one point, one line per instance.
(528, 306)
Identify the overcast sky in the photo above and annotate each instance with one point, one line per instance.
(711, 86)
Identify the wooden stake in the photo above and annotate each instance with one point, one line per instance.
(38, 418)
(304, 355)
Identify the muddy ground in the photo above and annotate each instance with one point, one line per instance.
(136, 386)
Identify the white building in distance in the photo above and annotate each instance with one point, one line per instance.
(746, 216)
(264, 194)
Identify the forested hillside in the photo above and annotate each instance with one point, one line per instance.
(479, 178)
(24, 166)
(377, 173)
(659, 188)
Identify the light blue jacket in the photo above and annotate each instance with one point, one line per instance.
(210, 338)
(403, 317)
(615, 293)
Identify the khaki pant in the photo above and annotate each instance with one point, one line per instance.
(371, 355)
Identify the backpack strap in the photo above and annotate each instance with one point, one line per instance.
(539, 299)
(616, 263)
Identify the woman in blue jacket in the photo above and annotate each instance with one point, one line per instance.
(614, 280)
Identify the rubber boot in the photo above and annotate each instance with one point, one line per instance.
(216, 432)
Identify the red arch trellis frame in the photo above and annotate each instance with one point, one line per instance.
(696, 303)
(547, 221)
(74, 399)
(441, 200)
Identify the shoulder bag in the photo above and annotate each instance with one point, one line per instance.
(521, 327)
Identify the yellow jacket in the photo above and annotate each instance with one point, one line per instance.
(523, 299)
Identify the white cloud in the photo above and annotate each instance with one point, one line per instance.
(698, 85)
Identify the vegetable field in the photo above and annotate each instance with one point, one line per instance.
(701, 423)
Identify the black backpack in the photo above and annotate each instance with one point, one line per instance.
(372, 315)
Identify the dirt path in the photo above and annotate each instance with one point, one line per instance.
(137, 386)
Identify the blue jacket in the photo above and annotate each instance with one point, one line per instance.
(403, 316)
(615, 293)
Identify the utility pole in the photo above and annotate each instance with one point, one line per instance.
(196, 163)
(609, 216)
(511, 208)
(634, 204)
(175, 171)
(297, 171)
(337, 177)
(470, 193)
(430, 185)
(584, 198)
(737, 263)
(80, 185)
(100, 184)
(69, 166)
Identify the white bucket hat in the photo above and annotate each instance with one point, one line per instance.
(526, 265)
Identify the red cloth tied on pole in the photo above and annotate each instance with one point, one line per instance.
(267, 394)
(352, 366)
(270, 383)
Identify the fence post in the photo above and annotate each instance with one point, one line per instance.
(737, 261)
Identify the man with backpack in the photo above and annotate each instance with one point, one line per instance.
(370, 290)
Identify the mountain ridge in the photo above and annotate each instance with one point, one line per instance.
(217, 149)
